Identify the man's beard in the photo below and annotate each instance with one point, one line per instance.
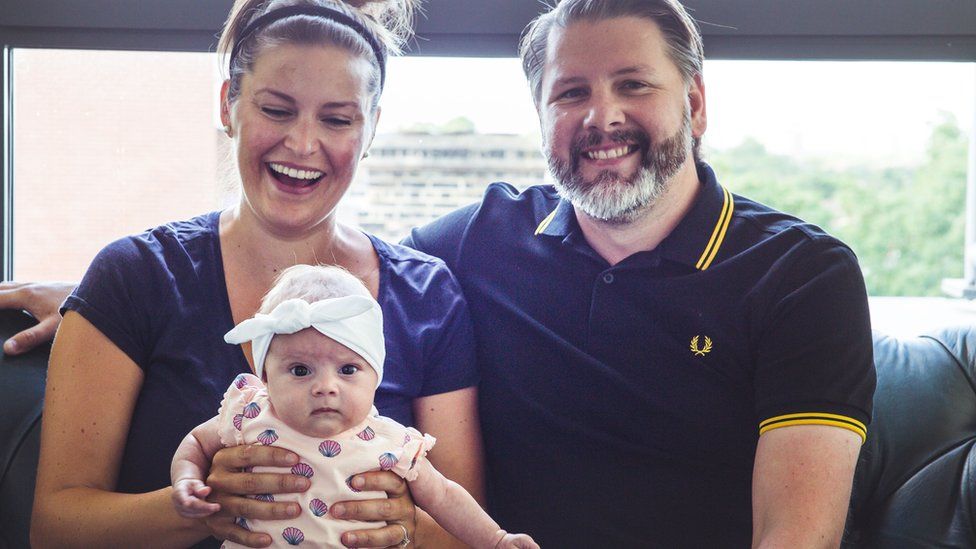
(614, 199)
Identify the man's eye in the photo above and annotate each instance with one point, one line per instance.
(338, 121)
(300, 370)
(633, 85)
(572, 93)
(348, 369)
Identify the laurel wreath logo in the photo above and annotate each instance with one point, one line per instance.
(701, 351)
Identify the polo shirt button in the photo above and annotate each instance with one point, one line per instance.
(608, 278)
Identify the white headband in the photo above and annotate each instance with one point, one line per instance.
(355, 321)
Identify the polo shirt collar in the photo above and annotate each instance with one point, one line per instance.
(695, 241)
(560, 222)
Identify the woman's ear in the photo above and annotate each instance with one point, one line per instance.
(225, 107)
(376, 120)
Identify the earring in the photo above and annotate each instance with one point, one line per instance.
(227, 129)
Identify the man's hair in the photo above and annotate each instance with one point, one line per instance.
(679, 29)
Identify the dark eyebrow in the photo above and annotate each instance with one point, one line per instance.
(290, 99)
(634, 69)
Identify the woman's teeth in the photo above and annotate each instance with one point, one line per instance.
(608, 154)
(296, 174)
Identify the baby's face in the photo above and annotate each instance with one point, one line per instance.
(318, 387)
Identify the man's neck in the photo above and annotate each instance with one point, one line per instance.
(616, 242)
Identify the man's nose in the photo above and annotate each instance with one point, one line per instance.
(605, 113)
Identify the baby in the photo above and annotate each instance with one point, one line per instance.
(318, 343)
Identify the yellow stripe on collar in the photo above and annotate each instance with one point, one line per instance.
(545, 222)
(815, 418)
(718, 233)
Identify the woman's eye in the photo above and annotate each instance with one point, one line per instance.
(348, 369)
(274, 113)
(300, 370)
(338, 121)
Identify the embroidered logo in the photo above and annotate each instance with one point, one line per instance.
(701, 351)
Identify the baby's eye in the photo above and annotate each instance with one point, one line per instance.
(349, 369)
(300, 370)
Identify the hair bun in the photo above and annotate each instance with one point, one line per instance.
(395, 16)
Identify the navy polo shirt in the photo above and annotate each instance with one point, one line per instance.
(621, 405)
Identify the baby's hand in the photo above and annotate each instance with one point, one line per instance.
(516, 541)
(189, 498)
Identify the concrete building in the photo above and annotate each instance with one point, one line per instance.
(412, 178)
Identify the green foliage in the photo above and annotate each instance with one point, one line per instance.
(906, 225)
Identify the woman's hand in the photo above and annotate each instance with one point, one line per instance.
(230, 485)
(398, 510)
(41, 300)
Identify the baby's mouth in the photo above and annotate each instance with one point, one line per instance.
(294, 177)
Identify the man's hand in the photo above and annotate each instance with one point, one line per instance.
(41, 300)
(398, 510)
(230, 485)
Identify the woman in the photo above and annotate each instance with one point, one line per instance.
(139, 358)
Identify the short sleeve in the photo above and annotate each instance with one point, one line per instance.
(412, 453)
(451, 362)
(241, 392)
(112, 297)
(815, 358)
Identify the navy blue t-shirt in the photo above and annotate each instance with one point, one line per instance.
(161, 297)
(621, 405)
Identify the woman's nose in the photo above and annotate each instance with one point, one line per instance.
(303, 138)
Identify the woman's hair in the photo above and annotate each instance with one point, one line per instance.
(387, 22)
(312, 283)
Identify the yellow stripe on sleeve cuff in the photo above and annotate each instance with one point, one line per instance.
(815, 418)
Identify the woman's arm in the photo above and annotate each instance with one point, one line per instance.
(452, 418)
(457, 511)
(92, 387)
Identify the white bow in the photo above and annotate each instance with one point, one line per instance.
(355, 321)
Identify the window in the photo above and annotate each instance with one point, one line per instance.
(875, 152)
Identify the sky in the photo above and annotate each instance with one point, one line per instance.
(850, 110)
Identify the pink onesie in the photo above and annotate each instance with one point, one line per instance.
(247, 417)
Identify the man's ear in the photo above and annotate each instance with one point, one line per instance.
(696, 100)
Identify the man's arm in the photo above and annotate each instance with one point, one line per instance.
(801, 486)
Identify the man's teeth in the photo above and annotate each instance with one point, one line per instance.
(297, 174)
(608, 154)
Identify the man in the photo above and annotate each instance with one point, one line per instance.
(664, 364)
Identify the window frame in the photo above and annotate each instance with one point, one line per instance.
(902, 30)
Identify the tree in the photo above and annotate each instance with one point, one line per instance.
(906, 225)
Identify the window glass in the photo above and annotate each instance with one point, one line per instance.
(109, 143)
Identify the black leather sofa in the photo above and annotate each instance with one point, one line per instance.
(914, 486)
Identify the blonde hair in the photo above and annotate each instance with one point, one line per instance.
(389, 22)
(312, 283)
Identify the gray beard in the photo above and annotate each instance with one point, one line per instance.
(617, 200)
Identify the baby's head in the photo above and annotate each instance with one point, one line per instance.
(317, 341)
